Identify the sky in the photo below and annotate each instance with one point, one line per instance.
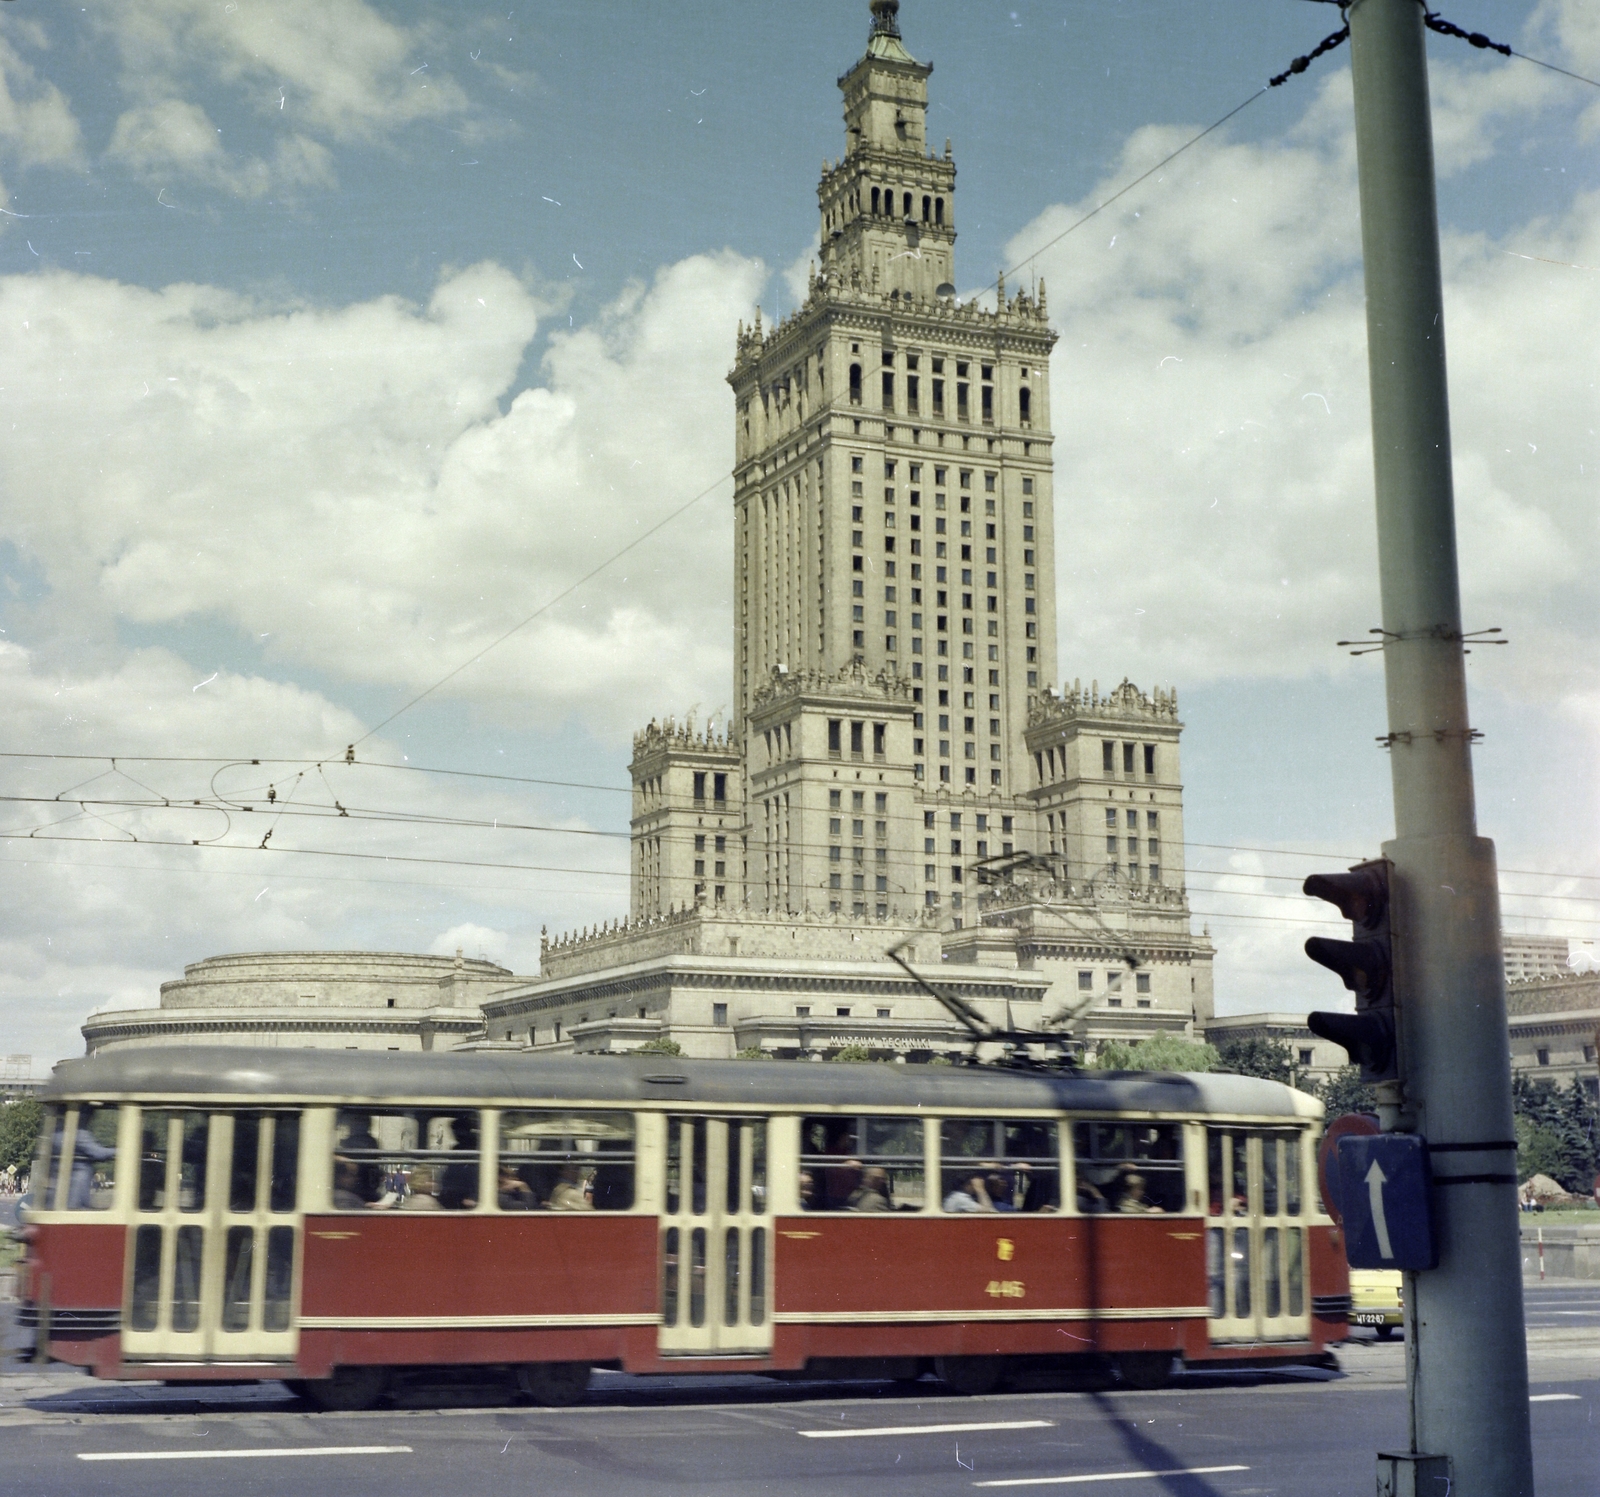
(340, 338)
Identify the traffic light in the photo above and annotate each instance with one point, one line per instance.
(1365, 965)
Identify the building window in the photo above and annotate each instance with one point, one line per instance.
(1086, 982)
(802, 1011)
(1150, 760)
(1141, 982)
(1543, 1056)
(1305, 1057)
(1108, 757)
(719, 1015)
(883, 1013)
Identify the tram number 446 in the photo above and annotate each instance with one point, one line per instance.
(1005, 1289)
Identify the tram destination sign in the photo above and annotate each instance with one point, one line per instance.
(1385, 1186)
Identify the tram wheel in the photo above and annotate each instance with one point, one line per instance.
(970, 1375)
(554, 1384)
(346, 1389)
(1145, 1369)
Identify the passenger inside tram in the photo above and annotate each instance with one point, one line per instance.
(347, 1186)
(1133, 1200)
(422, 1193)
(87, 1153)
(458, 1182)
(513, 1193)
(574, 1190)
(971, 1193)
(872, 1194)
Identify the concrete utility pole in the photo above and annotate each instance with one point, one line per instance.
(1467, 1357)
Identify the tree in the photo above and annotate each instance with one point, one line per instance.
(751, 1052)
(1161, 1052)
(1539, 1152)
(1272, 1060)
(19, 1133)
(1342, 1092)
(852, 1053)
(659, 1047)
(1561, 1131)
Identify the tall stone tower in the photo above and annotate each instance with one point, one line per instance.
(893, 516)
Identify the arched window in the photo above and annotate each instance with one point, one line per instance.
(938, 210)
(1025, 405)
(874, 199)
(927, 208)
(907, 205)
(855, 384)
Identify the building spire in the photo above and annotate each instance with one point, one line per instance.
(884, 22)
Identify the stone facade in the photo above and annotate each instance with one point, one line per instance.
(897, 767)
(1555, 1029)
(896, 759)
(1313, 1057)
(354, 1000)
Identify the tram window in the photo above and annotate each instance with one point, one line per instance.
(1000, 1164)
(279, 1279)
(424, 1159)
(669, 1278)
(285, 1162)
(244, 1175)
(172, 1160)
(238, 1266)
(1280, 1174)
(1134, 1168)
(44, 1159)
(90, 1175)
(146, 1297)
(242, 1192)
(862, 1164)
(186, 1279)
(739, 1199)
(565, 1161)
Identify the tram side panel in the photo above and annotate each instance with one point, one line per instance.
(409, 1289)
(1002, 1284)
(73, 1275)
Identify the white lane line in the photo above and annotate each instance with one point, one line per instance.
(1061, 1481)
(1555, 1398)
(230, 1455)
(923, 1429)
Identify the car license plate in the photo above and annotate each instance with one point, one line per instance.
(1369, 1317)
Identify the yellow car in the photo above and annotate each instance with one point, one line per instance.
(1375, 1300)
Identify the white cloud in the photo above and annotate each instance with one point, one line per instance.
(37, 126)
(342, 483)
(1211, 418)
(155, 141)
(472, 941)
(324, 72)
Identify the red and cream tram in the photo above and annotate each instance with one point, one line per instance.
(329, 1217)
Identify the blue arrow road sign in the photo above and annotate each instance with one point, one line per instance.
(1384, 1189)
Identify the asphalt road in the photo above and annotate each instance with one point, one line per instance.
(1247, 1435)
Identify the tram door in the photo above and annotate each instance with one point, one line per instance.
(1255, 1234)
(215, 1238)
(716, 1244)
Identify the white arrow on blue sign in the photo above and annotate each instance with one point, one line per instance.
(1389, 1223)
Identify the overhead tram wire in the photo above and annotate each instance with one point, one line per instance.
(1588, 932)
(1298, 66)
(94, 808)
(543, 608)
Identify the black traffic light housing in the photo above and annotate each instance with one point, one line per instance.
(1364, 964)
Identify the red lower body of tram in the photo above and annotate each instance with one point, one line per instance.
(405, 1289)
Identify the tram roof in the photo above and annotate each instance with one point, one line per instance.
(184, 1072)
